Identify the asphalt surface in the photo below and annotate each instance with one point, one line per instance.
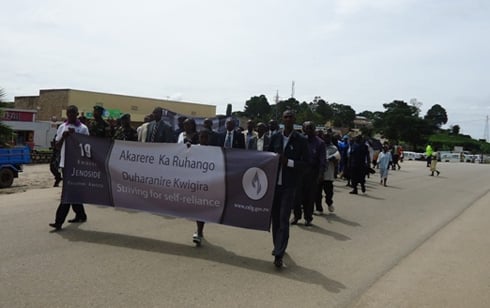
(421, 241)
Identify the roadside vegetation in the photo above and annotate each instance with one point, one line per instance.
(400, 122)
(5, 131)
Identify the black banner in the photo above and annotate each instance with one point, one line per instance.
(228, 186)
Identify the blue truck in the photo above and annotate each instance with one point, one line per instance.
(11, 161)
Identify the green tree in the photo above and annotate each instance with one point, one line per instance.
(5, 130)
(455, 129)
(343, 115)
(367, 114)
(324, 110)
(258, 108)
(401, 121)
(291, 104)
(307, 113)
(436, 116)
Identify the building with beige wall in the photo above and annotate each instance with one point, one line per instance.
(52, 103)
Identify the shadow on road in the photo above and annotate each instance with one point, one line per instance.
(367, 195)
(320, 230)
(333, 217)
(207, 251)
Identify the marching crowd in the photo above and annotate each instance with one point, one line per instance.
(310, 161)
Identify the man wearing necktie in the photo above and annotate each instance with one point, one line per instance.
(158, 130)
(232, 138)
(229, 139)
(294, 158)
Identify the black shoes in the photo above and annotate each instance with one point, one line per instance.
(55, 226)
(308, 223)
(57, 183)
(77, 220)
(278, 262)
(363, 188)
(294, 221)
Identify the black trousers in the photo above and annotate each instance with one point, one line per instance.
(318, 197)
(306, 194)
(358, 177)
(281, 211)
(63, 210)
(328, 189)
(53, 167)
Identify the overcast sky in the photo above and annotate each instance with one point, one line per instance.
(361, 53)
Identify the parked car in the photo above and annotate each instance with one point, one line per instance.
(451, 157)
(469, 158)
(408, 155)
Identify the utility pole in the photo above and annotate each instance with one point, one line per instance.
(277, 101)
(485, 134)
(292, 90)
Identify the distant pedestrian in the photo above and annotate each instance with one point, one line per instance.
(345, 171)
(358, 164)
(395, 156)
(433, 163)
(332, 156)
(428, 154)
(384, 160)
(54, 163)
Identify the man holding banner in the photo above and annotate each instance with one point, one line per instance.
(70, 126)
(294, 158)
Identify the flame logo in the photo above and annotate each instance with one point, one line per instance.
(256, 183)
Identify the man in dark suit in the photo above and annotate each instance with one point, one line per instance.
(214, 138)
(232, 138)
(250, 134)
(273, 127)
(304, 203)
(294, 158)
(158, 130)
(261, 140)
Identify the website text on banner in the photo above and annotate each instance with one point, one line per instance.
(228, 186)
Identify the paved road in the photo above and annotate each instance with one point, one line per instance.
(122, 259)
